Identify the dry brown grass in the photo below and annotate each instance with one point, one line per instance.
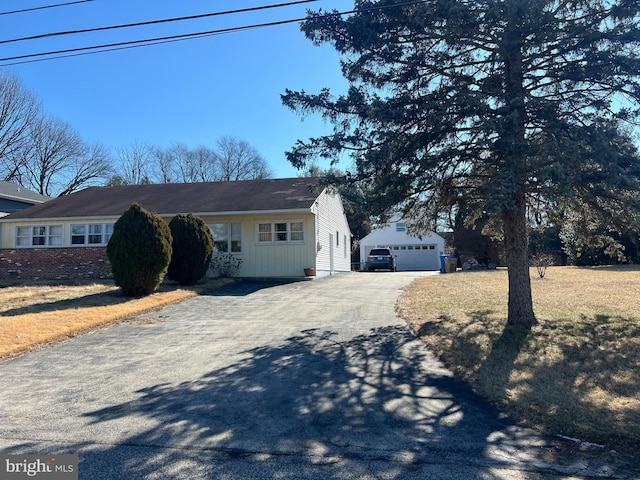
(575, 373)
(31, 316)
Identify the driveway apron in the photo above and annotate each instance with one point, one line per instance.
(309, 379)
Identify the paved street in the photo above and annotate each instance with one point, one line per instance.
(308, 380)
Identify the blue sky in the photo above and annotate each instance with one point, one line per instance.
(192, 91)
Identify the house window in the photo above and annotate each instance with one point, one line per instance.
(400, 227)
(91, 234)
(297, 232)
(39, 236)
(265, 234)
(227, 237)
(280, 232)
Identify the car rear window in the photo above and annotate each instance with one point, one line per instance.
(380, 251)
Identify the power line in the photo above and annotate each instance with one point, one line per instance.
(45, 7)
(81, 51)
(155, 22)
(146, 42)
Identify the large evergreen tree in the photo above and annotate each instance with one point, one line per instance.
(505, 105)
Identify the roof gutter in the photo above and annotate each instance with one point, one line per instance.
(197, 214)
(8, 196)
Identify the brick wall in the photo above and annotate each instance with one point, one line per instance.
(54, 263)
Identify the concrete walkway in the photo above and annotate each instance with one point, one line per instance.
(308, 380)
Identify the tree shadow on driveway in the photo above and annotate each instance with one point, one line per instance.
(376, 405)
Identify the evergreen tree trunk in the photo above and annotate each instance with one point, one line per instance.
(517, 250)
(516, 236)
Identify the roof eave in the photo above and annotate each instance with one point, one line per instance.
(8, 196)
(250, 212)
(197, 214)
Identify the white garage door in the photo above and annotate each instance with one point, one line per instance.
(416, 257)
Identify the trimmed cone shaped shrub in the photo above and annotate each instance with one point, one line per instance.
(139, 251)
(192, 248)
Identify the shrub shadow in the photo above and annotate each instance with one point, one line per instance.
(116, 297)
(243, 287)
(93, 300)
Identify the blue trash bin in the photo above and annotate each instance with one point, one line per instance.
(443, 266)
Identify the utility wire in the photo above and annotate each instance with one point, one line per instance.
(80, 51)
(45, 7)
(155, 22)
(149, 41)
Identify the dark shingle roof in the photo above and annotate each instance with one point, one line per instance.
(171, 198)
(14, 191)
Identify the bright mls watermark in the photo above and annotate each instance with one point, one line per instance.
(49, 467)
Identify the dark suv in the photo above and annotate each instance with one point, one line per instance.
(381, 258)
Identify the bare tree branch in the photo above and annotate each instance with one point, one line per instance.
(18, 109)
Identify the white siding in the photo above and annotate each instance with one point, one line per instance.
(333, 236)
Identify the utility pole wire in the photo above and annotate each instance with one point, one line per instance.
(155, 22)
(149, 41)
(45, 7)
(53, 55)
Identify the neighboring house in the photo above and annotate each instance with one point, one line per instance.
(14, 198)
(278, 227)
(412, 253)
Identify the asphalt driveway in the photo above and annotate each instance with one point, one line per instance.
(314, 379)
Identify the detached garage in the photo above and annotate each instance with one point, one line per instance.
(412, 253)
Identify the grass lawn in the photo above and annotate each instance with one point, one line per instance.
(574, 374)
(33, 315)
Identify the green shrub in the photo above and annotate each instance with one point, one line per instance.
(139, 251)
(192, 248)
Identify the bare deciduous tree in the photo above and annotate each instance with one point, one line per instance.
(18, 109)
(232, 159)
(52, 143)
(204, 163)
(238, 160)
(134, 164)
(164, 170)
(56, 161)
(94, 164)
(192, 165)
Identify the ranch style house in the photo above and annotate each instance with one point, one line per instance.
(279, 227)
